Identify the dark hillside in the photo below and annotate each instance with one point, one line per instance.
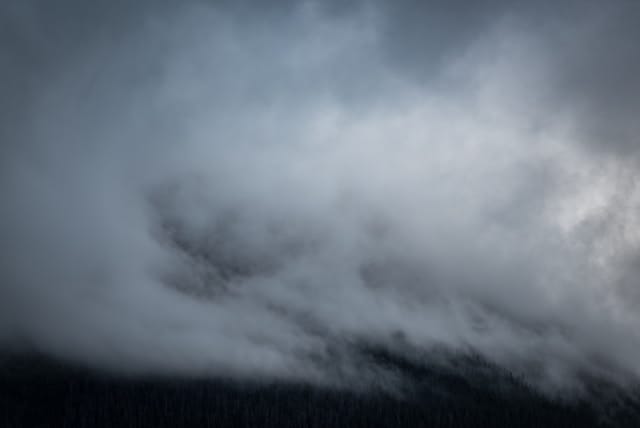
(42, 394)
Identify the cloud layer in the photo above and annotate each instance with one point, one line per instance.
(220, 188)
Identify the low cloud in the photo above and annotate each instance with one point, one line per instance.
(208, 189)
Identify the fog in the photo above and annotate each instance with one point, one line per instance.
(230, 189)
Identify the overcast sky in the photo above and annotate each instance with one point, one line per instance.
(261, 188)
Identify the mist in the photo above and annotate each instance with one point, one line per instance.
(216, 189)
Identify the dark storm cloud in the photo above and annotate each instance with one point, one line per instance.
(418, 36)
(597, 61)
(590, 53)
(257, 188)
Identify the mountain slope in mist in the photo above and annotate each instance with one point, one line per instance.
(469, 394)
(255, 189)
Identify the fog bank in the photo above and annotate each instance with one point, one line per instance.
(208, 188)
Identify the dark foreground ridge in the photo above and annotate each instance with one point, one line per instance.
(40, 393)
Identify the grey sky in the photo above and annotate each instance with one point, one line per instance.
(229, 187)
